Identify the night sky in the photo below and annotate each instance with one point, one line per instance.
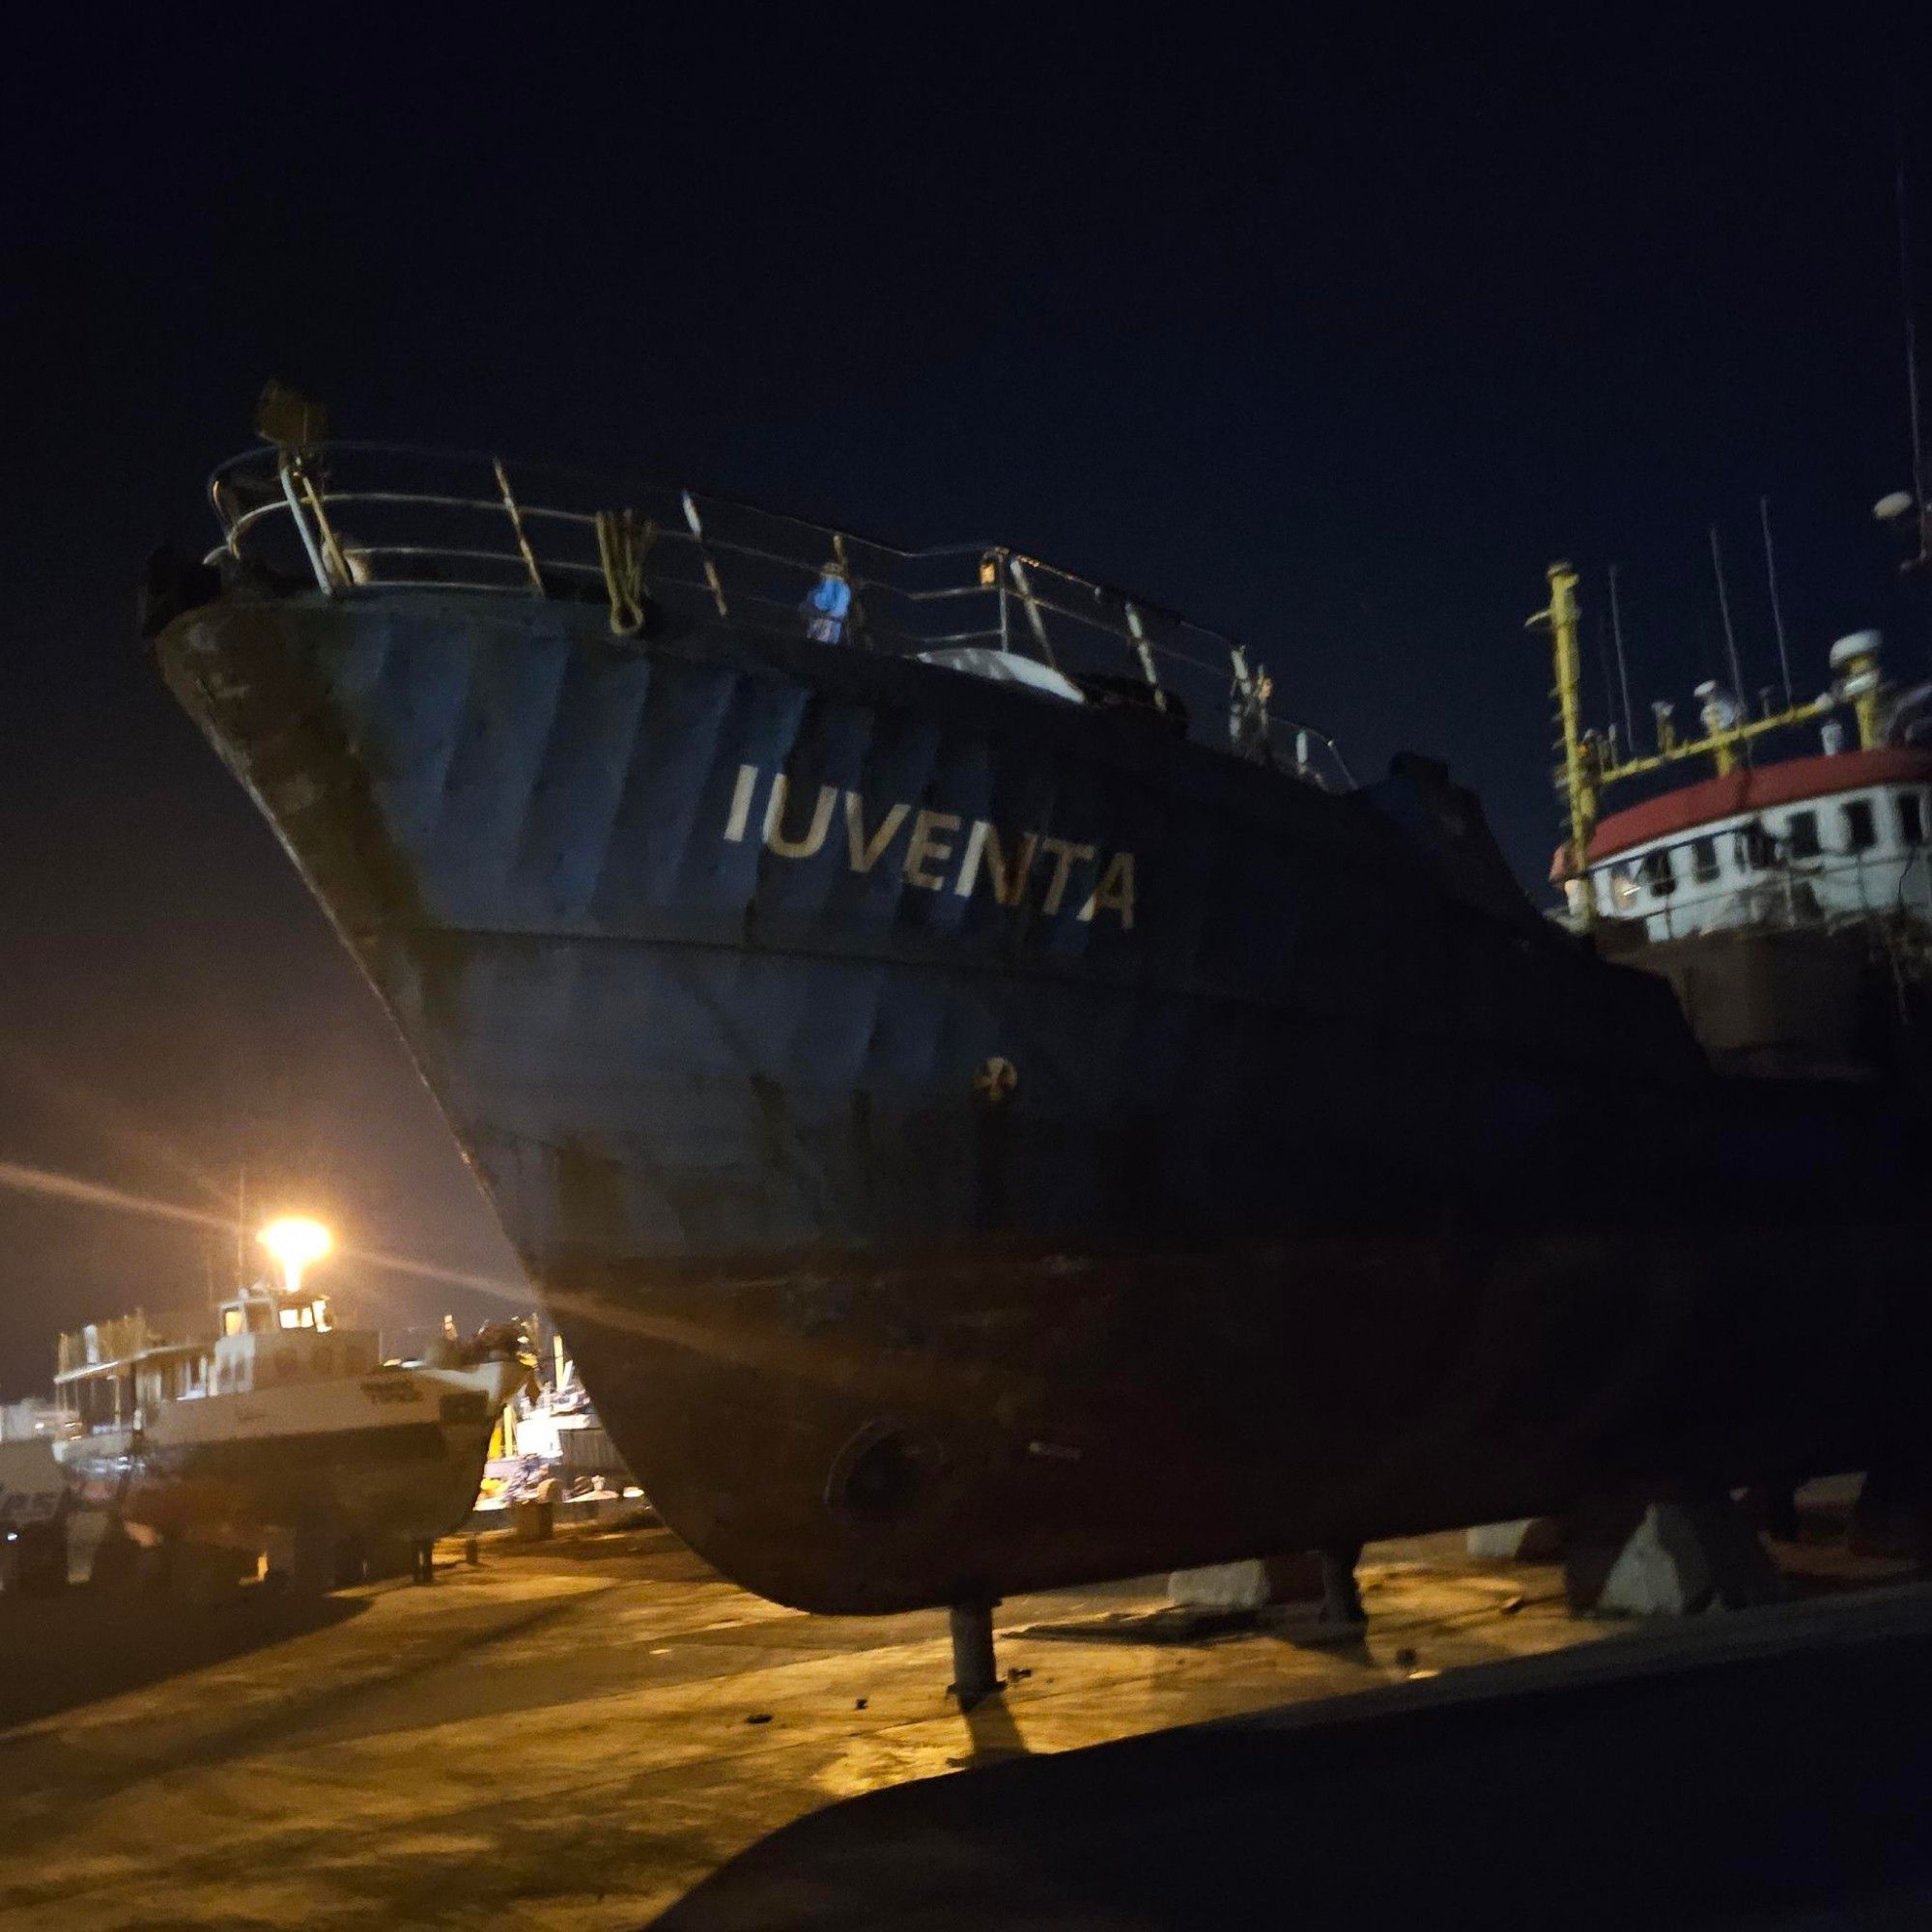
(1333, 343)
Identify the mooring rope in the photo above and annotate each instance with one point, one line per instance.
(622, 545)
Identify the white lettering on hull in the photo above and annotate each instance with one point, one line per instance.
(934, 856)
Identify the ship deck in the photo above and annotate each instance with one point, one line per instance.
(581, 1732)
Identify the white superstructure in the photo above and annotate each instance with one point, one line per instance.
(1810, 840)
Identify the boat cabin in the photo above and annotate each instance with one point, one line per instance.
(270, 1337)
(1814, 840)
(113, 1372)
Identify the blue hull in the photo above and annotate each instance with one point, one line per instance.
(972, 1142)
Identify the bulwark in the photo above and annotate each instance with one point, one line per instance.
(941, 851)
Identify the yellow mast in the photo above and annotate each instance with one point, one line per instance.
(1579, 781)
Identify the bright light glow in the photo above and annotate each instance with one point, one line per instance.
(296, 1242)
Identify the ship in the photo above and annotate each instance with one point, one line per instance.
(279, 1437)
(989, 1100)
(1781, 887)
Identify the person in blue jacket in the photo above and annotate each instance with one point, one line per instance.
(826, 605)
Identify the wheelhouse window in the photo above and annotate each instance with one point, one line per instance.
(1623, 887)
(1757, 850)
(1801, 835)
(1704, 865)
(1911, 817)
(1658, 875)
(1861, 831)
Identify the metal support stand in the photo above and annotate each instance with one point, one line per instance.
(1775, 1507)
(974, 1674)
(1340, 1600)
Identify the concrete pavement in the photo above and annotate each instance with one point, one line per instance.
(575, 1734)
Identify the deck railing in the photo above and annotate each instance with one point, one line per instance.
(360, 516)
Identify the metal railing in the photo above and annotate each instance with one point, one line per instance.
(356, 517)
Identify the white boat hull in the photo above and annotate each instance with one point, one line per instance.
(395, 1454)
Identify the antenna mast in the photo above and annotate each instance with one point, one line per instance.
(1777, 608)
(1623, 670)
(1905, 291)
(1601, 631)
(1724, 608)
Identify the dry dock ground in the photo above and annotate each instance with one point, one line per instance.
(577, 1733)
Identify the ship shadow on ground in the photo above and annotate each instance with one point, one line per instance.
(1774, 1792)
(82, 1645)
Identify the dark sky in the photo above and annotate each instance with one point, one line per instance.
(1332, 341)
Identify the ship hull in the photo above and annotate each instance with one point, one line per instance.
(931, 1224)
(1851, 1001)
(393, 1457)
(854, 1435)
(408, 1482)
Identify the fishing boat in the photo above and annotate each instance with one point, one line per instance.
(990, 1102)
(280, 1434)
(1781, 887)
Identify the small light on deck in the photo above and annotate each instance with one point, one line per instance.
(296, 1242)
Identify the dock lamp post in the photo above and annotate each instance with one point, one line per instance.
(296, 1242)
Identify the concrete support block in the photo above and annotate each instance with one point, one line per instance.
(1695, 1551)
(1252, 1585)
(1530, 1539)
(1321, 1583)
